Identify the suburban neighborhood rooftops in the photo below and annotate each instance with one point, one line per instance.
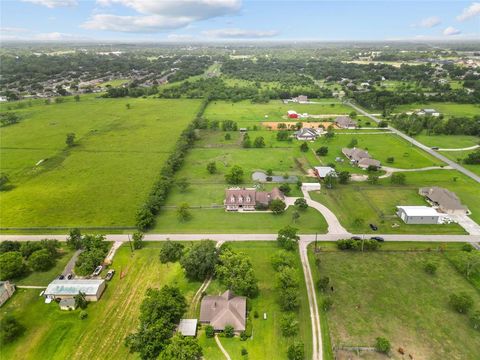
(73, 287)
(225, 309)
(443, 197)
(419, 210)
(187, 327)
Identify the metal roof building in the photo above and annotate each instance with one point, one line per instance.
(188, 327)
(64, 289)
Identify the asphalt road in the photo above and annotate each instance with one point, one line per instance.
(411, 140)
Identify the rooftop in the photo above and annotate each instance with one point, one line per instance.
(73, 287)
(187, 327)
(419, 210)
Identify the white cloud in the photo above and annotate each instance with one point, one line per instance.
(233, 33)
(53, 3)
(430, 22)
(470, 12)
(449, 31)
(12, 30)
(180, 37)
(160, 15)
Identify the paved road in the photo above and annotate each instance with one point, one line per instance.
(411, 140)
(461, 149)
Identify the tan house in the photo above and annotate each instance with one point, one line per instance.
(360, 157)
(6, 291)
(446, 201)
(248, 199)
(223, 310)
(345, 122)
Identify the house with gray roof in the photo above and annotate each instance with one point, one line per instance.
(248, 199)
(222, 310)
(446, 201)
(345, 122)
(306, 134)
(67, 289)
(360, 157)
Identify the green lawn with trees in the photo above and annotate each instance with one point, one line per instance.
(267, 335)
(103, 176)
(55, 334)
(393, 294)
(449, 109)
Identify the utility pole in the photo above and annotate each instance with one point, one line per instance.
(316, 242)
(130, 243)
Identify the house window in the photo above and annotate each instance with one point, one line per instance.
(240, 199)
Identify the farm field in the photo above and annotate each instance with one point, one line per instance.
(448, 141)
(103, 178)
(55, 334)
(446, 108)
(248, 114)
(388, 294)
(206, 191)
(267, 337)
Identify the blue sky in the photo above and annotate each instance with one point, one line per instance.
(222, 20)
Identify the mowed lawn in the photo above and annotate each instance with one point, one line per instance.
(449, 109)
(388, 294)
(55, 334)
(267, 338)
(376, 203)
(206, 192)
(448, 141)
(104, 178)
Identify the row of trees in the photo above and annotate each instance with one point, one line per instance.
(8, 118)
(17, 258)
(94, 247)
(413, 125)
(145, 216)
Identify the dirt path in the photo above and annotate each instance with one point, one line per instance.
(317, 353)
(222, 349)
(390, 170)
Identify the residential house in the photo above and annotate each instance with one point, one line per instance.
(248, 199)
(345, 122)
(6, 291)
(446, 201)
(428, 112)
(418, 214)
(226, 309)
(301, 99)
(323, 171)
(67, 289)
(360, 157)
(307, 134)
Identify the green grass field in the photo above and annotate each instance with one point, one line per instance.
(387, 293)
(55, 334)
(102, 180)
(446, 108)
(267, 337)
(448, 141)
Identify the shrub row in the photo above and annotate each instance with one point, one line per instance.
(145, 217)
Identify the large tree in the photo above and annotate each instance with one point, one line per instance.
(10, 329)
(11, 265)
(200, 259)
(182, 348)
(235, 175)
(41, 260)
(287, 237)
(235, 271)
(171, 252)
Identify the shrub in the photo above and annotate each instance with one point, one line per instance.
(229, 331)
(212, 167)
(475, 320)
(467, 247)
(327, 303)
(10, 329)
(301, 203)
(322, 151)
(209, 331)
(289, 325)
(390, 159)
(382, 345)
(228, 136)
(281, 259)
(277, 206)
(255, 314)
(296, 351)
(304, 147)
(461, 302)
(322, 283)
(285, 188)
(243, 336)
(430, 268)
(83, 315)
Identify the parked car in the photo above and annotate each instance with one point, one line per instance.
(61, 277)
(98, 270)
(69, 276)
(435, 148)
(356, 238)
(373, 227)
(377, 238)
(109, 275)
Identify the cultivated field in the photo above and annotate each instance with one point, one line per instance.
(388, 294)
(55, 334)
(101, 180)
(267, 337)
